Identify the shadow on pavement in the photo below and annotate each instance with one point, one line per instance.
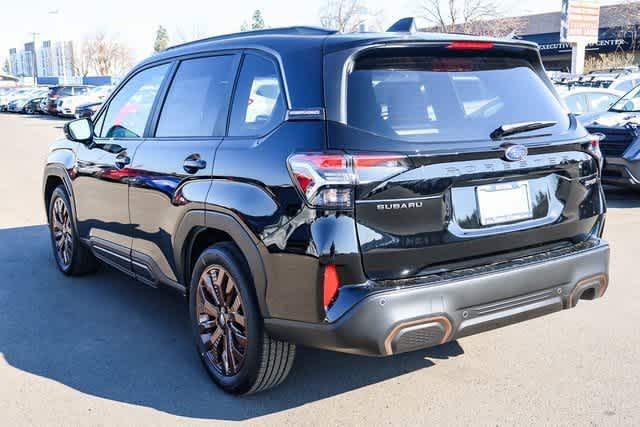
(111, 337)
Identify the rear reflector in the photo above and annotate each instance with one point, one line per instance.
(470, 45)
(330, 284)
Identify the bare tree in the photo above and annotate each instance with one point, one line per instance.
(481, 17)
(348, 16)
(103, 55)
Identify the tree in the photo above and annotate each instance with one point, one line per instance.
(257, 22)
(481, 17)
(6, 67)
(103, 55)
(162, 39)
(345, 16)
(244, 27)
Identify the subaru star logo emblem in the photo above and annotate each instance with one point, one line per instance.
(515, 153)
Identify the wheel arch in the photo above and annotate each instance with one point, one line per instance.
(54, 175)
(199, 229)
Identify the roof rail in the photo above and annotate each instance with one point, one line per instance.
(300, 30)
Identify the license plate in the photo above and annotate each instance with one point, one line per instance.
(504, 202)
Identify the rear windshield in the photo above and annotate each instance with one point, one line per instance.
(448, 96)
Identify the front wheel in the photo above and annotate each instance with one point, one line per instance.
(228, 328)
(72, 258)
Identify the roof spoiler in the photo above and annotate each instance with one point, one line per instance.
(404, 25)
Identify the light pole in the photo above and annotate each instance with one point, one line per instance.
(35, 59)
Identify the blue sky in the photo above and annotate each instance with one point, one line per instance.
(135, 21)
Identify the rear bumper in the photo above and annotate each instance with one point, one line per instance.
(394, 321)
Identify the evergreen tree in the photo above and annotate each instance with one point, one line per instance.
(162, 39)
(257, 20)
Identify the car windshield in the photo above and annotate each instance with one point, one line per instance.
(628, 103)
(449, 96)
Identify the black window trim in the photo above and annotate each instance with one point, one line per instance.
(123, 83)
(284, 93)
(164, 92)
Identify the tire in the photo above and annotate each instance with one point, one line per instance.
(72, 257)
(220, 277)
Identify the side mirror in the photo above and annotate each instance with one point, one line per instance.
(80, 130)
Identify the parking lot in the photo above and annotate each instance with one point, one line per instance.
(105, 350)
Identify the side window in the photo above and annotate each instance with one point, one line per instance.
(198, 100)
(576, 104)
(128, 110)
(258, 105)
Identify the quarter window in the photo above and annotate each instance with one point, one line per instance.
(258, 106)
(128, 111)
(198, 100)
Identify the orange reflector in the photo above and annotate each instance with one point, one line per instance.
(331, 283)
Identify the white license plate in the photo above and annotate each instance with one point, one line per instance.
(505, 202)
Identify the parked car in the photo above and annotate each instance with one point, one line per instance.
(62, 91)
(33, 106)
(589, 100)
(19, 101)
(620, 126)
(87, 110)
(616, 81)
(391, 193)
(66, 105)
(12, 95)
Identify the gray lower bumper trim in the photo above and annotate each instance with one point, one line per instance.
(471, 305)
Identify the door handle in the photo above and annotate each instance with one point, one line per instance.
(194, 163)
(122, 161)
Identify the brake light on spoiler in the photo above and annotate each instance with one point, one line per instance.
(326, 180)
(470, 45)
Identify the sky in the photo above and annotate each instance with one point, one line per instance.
(135, 22)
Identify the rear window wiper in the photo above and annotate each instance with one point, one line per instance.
(515, 128)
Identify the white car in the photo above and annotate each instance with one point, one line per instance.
(67, 105)
(582, 100)
(262, 100)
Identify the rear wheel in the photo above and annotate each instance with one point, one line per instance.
(72, 258)
(230, 338)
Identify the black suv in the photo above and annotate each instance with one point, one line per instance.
(366, 193)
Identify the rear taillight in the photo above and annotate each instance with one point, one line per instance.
(594, 147)
(327, 180)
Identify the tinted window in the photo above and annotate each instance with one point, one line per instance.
(198, 99)
(421, 95)
(129, 109)
(258, 106)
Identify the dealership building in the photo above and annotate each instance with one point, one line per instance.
(617, 26)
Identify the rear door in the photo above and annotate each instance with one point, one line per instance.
(442, 193)
(174, 165)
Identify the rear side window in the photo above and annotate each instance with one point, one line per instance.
(198, 100)
(421, 95)
(258, 106)
(128, 110)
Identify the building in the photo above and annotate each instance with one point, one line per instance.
(53, 59)
(619, 32)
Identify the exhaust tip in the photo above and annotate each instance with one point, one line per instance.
(417, 334)
(588, 289)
